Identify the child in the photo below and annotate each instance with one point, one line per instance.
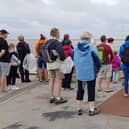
(14, 62)
(116, 62)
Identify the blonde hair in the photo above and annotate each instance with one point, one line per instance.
(54, 32)
(86, 36)
(11, 45)
(21, 38)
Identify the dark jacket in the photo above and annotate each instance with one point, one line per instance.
(58, 47)
(23, 49)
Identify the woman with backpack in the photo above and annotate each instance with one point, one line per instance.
(124, 54)
(41, 64)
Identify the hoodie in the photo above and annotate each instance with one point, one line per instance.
(116, 62)
(23, 49)
(87, 61)
(121, 52)
(68, 50)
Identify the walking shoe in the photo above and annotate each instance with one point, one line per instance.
(52, 100)
(14, 87)
(80, 112)
(95, 112)
(28, 81)
(60, 100)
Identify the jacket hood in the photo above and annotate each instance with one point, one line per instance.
(127, 43)
(83, 47)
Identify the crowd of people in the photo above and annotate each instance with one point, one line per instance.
(57, 61)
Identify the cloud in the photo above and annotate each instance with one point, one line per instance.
(31, 17)
(106, 2)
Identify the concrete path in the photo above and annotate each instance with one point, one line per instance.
(28, 108)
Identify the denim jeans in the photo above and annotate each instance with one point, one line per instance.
(115, 76)
(126, 79)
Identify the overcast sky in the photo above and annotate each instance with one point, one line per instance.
(32, 17)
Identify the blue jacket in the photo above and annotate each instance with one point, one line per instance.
(121, 52)
(87, 61)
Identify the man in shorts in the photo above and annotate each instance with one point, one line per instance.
(54, 67)
(106, 69)
(4, 60)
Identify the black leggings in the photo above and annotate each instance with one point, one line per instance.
(24, 73)
(66, 84)
(90, 90)
(11, 79)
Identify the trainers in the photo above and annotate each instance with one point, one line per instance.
(52, 100)
(95, 112)
(14, 87)
(80, 112)
(60, 101)
(9, 87)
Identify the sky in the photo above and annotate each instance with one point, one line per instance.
(32, 17)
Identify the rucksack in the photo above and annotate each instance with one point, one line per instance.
(125, 58)
(40, 49)
(48, 53)
(102, 56)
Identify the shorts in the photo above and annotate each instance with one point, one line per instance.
(55, 74)
(4, 68)
(105, 71)
(41, 63)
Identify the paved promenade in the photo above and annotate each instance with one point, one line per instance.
(28, 108)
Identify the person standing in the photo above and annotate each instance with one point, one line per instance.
(4, 60)
(116, 62)
(110, 42)
(106, 56)
(124, 54)
(87, 65)
(55, 48)
(23, 49)
(14, 63)
(68, 77)
(42, 66)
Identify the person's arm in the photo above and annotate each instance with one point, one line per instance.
(36, 49)
(121, 51)
(2, 53)
(28, 49)
(96, 60)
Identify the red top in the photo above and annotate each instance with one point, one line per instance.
(68, 50)
(108, 52)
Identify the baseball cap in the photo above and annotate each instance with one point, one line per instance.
(4, 31)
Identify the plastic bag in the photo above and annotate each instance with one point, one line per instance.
(67, 66)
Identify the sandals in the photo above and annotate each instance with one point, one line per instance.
(108, 90)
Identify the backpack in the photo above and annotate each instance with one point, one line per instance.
(125, 58)
(48, 53)
(102, 56)
(40, 49)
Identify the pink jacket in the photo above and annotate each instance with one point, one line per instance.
(116, 62)
(68, 50)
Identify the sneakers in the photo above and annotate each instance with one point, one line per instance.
(57, 101)
(52, 100)
(12, 87)
(95, 112)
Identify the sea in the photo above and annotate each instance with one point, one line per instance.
(31, 42)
